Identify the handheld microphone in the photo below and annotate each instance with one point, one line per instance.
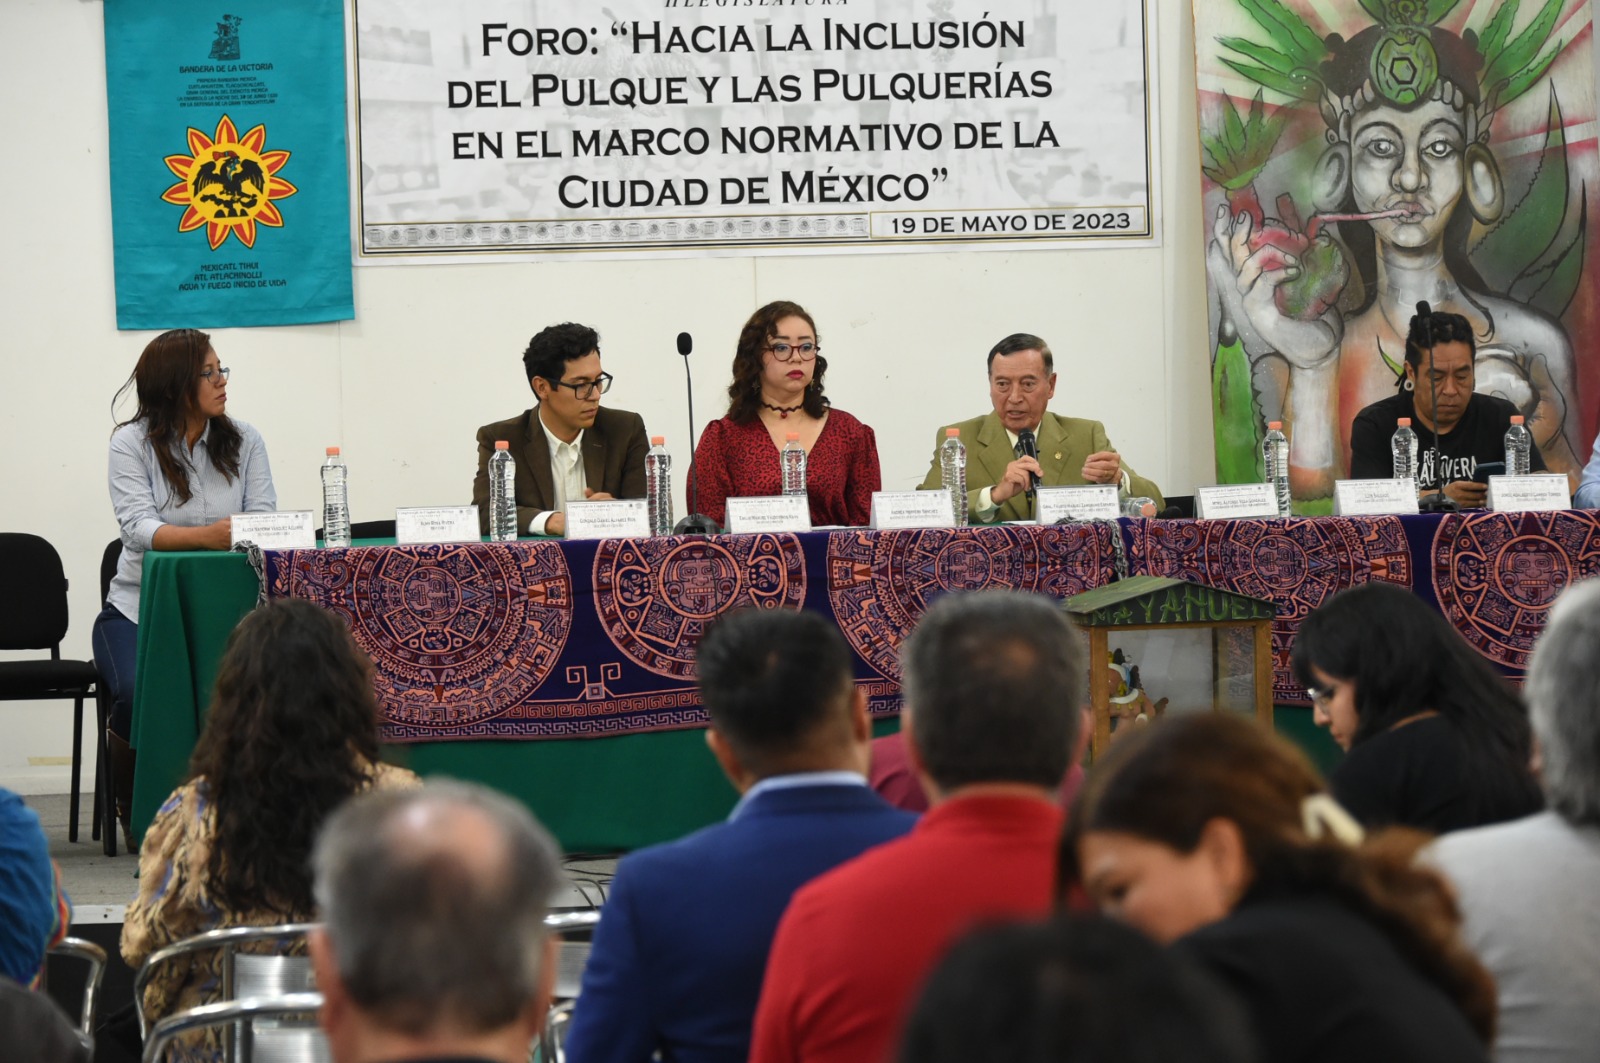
(695, 523)
(1030, 449)
(1436, 501)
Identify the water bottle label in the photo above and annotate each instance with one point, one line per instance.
(770, 513)
(291, 529)
(1540, 492)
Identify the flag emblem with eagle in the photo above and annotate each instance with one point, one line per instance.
(228, 183)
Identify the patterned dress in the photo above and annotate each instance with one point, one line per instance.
(174, 902)
(739, 460)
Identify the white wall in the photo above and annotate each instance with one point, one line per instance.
(434, 352)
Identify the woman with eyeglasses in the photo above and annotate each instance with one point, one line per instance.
(777, 389)
(1433, 738)
(179, 469)
(1213, 835)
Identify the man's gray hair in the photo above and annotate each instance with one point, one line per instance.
(1563, 692)
(430, 925)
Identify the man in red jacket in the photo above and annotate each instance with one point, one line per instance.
(992, 685)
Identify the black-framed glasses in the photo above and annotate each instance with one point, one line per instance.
(785, 352)
(1320, 695)
(210, 375)
(587, 389)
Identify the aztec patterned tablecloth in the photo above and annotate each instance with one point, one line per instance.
(546, 639)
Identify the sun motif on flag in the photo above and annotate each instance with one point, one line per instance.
(228, 183)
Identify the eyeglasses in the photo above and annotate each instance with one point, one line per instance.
(587, 389)
(784, 352)
(210, 375)
(1027, 385)
(1320, 695)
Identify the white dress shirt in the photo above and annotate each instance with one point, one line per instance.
(566, 476)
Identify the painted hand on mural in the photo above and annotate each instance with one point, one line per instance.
(1408, 202)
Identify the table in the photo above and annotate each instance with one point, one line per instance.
(629, 611)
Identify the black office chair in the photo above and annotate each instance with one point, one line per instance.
(105, 790)
(33, 616)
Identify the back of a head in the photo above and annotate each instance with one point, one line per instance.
(33, 1029)
(1074, 990)
(775, 682)
(993, 685)
(434, 902)
(1563, 691)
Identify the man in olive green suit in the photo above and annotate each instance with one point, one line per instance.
(1022, 380)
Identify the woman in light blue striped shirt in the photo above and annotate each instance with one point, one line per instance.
(179, 469)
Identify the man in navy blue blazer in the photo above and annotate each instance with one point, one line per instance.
(682, 943)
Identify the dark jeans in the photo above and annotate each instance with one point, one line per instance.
(115, 639)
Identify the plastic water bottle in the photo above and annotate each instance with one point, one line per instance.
(1519, 447)
(502, 494)
(793, 461)
(335, 500)
(1138, 506)
(1275, 464)
(953, 473)
(1404, 448)
(658, 486)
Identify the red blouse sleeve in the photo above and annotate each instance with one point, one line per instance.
(865, 476)
(710, 471)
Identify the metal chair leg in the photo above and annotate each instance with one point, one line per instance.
(77, 767)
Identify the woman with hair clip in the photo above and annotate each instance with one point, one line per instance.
(1434, 739)
(777, 389)
(1457, 428)
(292, 732)
(179, 469)
(1212, 834)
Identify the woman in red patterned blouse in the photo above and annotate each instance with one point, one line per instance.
(777, 389)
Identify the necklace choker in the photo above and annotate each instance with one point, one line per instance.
(782, 411)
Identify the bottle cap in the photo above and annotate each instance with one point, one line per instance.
(501, 444)
(1274, 426)
(1404, 422)
(792, 437)
(952, 433)
(1516, 418)
(658, 441)
(333, 452)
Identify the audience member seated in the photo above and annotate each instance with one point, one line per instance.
(178, 469)
(1530, 890)
(1070, 450)
(1457, 428)
(34, 913)
(777, 389)
(678, 957)
(433, 945)
(893, 778)
(1209, 831)
(34, 1029)
(292, 732)
(1074, 990)
(568, 448)
(993, 683)
(1434, 738)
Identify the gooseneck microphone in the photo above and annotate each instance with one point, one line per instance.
(695, 523)
(1030, 449)
(1436, 501)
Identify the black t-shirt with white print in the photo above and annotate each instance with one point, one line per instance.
(1478, 437)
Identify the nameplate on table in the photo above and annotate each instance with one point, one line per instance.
(1539, 492)
(1227, 501)
(436, 524)
(611, 518)
(769, 513)
(1374, 498)
(286, 530)
(892, 510)
(1082, 502)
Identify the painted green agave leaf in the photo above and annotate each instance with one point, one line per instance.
(1503, 254)
(1566, 273)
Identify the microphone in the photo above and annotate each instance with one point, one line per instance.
(695, 523)
(1436, 501)
(1030, 449)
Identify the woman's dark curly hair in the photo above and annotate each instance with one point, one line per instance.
(164, 381)
(744, 394)
(1168, 781)
(292, 732)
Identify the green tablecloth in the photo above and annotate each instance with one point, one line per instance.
(594, 794)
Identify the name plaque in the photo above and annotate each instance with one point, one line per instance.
(414, 525)
(1227, 501)
(1082, 502)
(1374, 498)
(894, 510)
(611, 518)
(285, 530)
(769, 513)
(1539, 492)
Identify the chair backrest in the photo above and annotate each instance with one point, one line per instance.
(108, 568)
(293, 1031)
(227, 941)
(33, 593)
(271, 976)
(95, 958)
